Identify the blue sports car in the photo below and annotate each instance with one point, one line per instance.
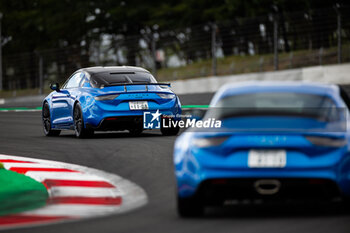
(108, 99)
(278, 141)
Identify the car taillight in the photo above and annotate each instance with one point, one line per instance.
(327, 141)
(208, 142)
(166, 96)
(106, 97)
(111, 119)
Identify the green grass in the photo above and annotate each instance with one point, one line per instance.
(248, 64)
(195, 106)
(19, 193)
(19, 108)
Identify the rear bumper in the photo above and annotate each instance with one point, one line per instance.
(194, 176)
(117, 123)
(219, 191)
(97, 117)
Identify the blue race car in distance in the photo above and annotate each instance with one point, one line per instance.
(278, 141)
(107, 99)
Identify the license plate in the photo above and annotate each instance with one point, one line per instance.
(267, 158)
(138, 105)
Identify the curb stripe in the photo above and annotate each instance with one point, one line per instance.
(20, 219)
(23, 170)
(13, 161)
(42, 176)
(18, 165)
(75, 192)
(87, 200)
(80, 183)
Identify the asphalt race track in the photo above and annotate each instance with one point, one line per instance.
(147, 161)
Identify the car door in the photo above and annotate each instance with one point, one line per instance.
(63, 102)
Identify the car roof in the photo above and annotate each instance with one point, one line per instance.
(239, 88)
(102, 69)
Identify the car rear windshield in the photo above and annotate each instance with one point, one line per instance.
(296, 104)
(118, 78)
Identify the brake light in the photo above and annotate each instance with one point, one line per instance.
(106, 97)
(327, 141)
(166, 96)
(208, 142)
(111, 119)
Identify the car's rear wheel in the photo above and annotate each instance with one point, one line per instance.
(346, 202)
(189, 207)
(80, 130)
(48, 131)
(171, 131)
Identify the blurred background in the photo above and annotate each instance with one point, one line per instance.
(44, 41)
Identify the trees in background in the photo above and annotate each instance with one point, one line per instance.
(77, 28)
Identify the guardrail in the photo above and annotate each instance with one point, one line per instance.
(339, 74)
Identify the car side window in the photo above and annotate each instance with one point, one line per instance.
(344, 90)
(84, 80)
(74, 81)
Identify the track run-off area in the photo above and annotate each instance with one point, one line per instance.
(147, 162)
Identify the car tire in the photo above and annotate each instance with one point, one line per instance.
(79, 129)
(189, 207)
(171, 131)
(346, 202)
(46, 118)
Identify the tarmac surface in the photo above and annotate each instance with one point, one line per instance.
(147, 161)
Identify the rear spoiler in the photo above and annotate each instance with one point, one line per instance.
(138, 84)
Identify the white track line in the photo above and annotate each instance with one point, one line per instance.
(73, 210)
(20, 110)
(59, 191)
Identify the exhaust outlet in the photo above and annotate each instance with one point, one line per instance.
(267, 187)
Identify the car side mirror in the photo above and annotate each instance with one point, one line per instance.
(55, 87)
